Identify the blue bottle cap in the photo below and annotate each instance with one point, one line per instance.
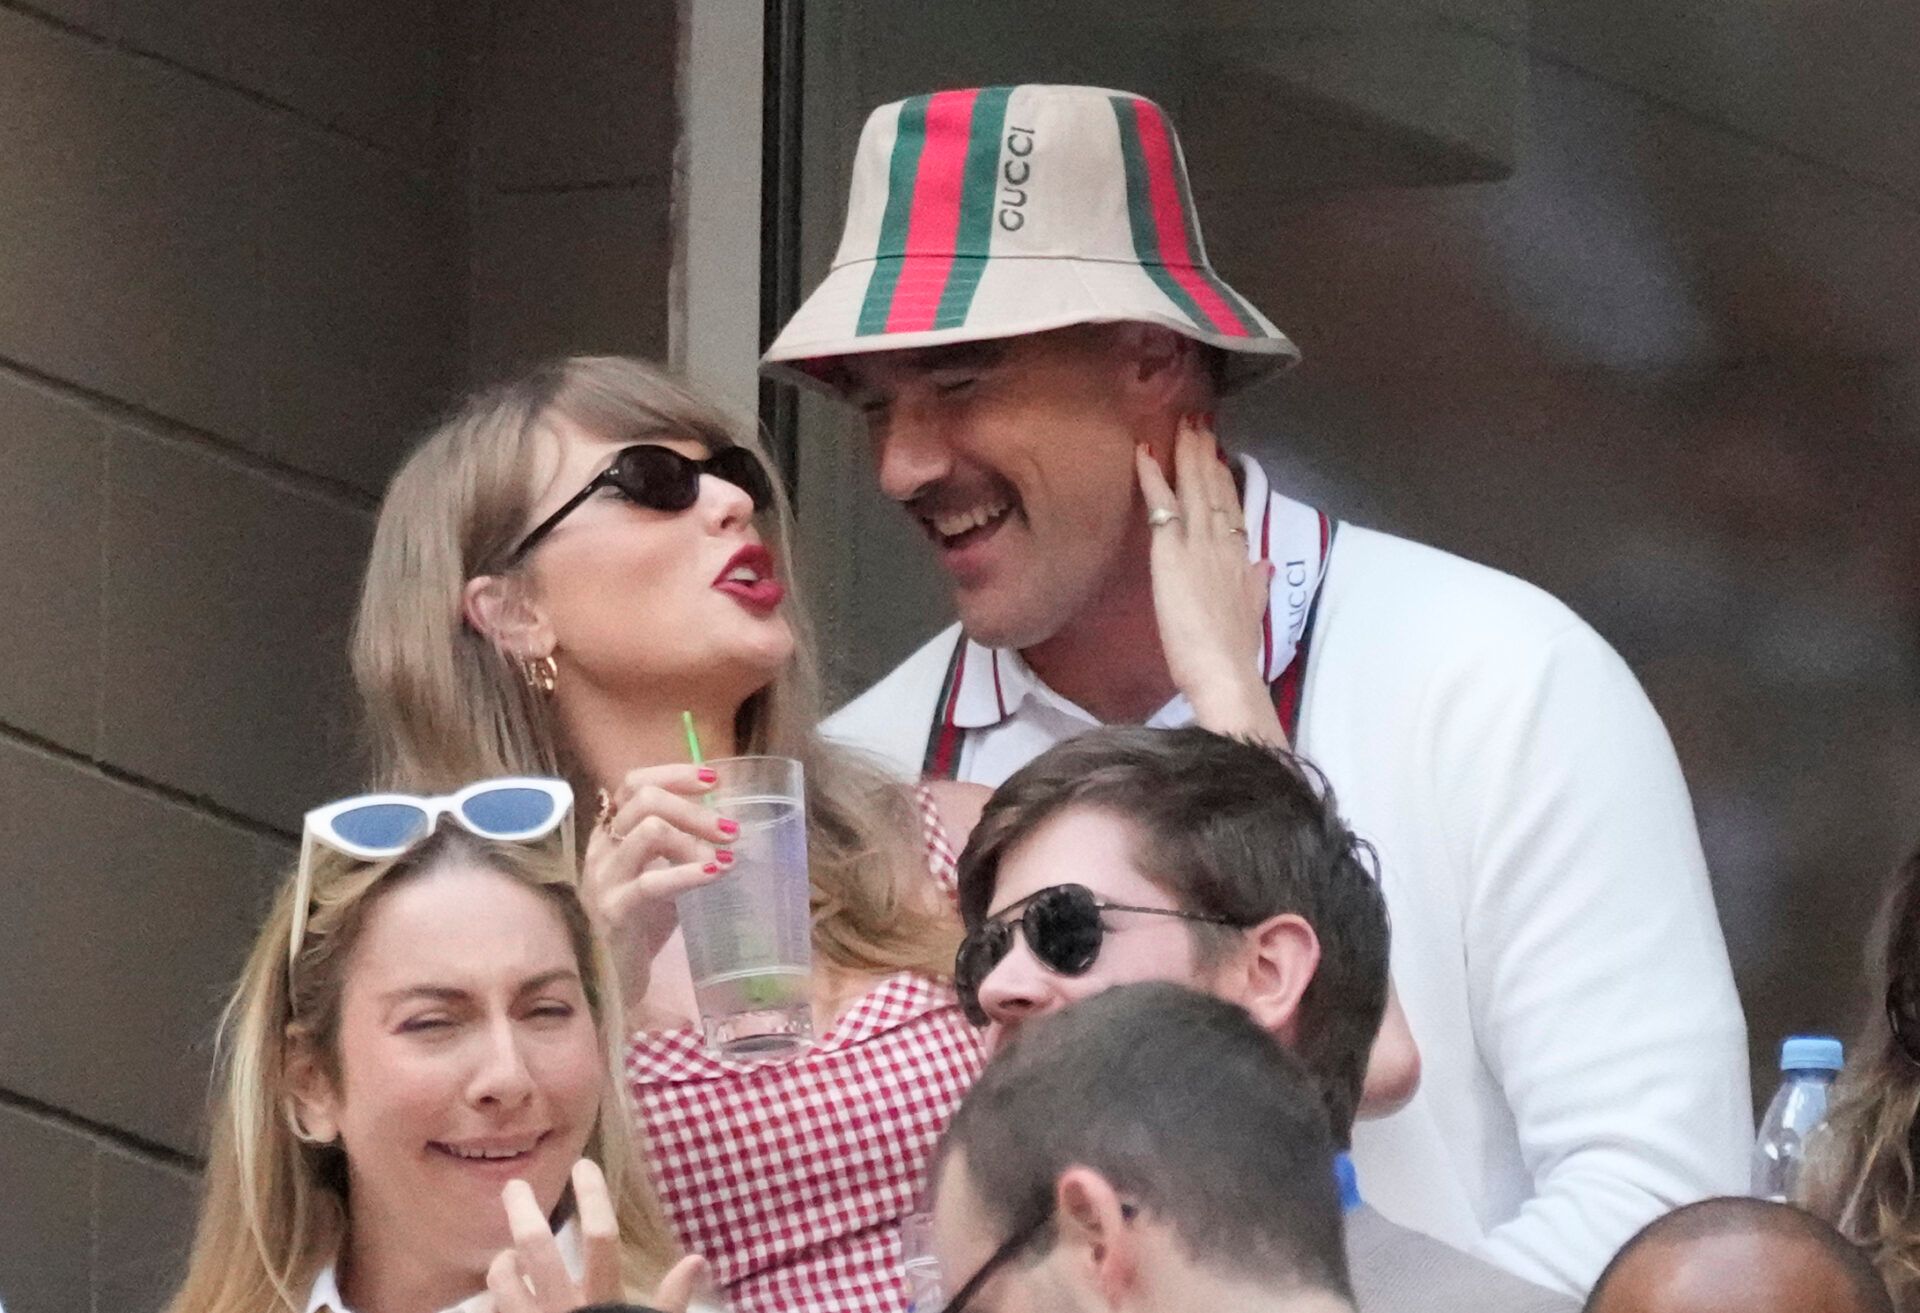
(1811, 1053)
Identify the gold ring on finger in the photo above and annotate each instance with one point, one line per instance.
(603, 810)
(1238, 530)
(1160, 516)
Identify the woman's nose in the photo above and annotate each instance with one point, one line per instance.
(725, 505)
(502, 1076)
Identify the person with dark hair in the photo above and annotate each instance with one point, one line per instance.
(1180, 855)
(1152, 1150)
(1737, 1255)
(1023, 312)
(1861, 1168)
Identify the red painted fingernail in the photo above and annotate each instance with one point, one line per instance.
(708, 775)
(710, 868)
(724, 856)
(729, 827)
(1206, 417)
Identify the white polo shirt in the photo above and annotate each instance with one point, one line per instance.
(1555, 947)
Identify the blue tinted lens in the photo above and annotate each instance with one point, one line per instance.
(507, 810)
(382, 824)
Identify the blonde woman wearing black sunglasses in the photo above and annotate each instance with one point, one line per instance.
(559, 571)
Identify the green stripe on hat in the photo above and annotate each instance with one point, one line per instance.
(982, 178)
(910, 137)
(1190, 218)
(1146, 237)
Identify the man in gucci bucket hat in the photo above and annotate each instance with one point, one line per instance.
(1020, 303)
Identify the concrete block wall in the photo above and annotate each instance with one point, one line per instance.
(247, 249)
(574, 128)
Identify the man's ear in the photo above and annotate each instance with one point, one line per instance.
(500, 609)
(1096, 1239)
(313, 1104)
(1283, 952)
(1163, 367)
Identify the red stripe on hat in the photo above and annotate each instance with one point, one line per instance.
(1170, 221)
(933, 229)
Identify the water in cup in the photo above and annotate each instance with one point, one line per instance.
(749, 933)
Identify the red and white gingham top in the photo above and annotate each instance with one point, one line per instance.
(792, 1177)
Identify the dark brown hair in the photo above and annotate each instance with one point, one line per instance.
(1233, 830)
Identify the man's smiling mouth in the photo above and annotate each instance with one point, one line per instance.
(946, 528)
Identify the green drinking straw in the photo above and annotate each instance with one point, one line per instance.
(693, 749)
(693, 739)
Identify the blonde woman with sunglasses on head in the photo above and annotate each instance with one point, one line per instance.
(559, 571)
(418, 1081)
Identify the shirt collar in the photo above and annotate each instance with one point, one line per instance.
(324, 1296)
(991, 684)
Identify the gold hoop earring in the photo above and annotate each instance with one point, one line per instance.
(300, 1132)
(541, 675)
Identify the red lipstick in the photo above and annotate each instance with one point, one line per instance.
(749, 579)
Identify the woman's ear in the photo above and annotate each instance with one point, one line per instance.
(500, 609)
(1285, 953)
(313, 1103)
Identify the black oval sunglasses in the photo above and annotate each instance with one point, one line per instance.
(660, 479)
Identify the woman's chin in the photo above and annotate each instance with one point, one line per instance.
(770, 649)
(747, 667)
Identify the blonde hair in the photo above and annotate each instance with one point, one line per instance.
(274, 1206)
(444, 705)
(1862, 1176)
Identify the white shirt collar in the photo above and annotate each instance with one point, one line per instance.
(324, 1296)
(992, 684)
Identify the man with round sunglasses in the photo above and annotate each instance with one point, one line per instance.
(1024, 313)
(1130, 855)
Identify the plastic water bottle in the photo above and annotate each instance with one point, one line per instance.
(1808, 1064)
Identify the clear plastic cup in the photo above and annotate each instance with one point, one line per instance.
(749, 933)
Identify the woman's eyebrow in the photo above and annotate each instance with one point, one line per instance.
(545, 978)
(440, 993)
